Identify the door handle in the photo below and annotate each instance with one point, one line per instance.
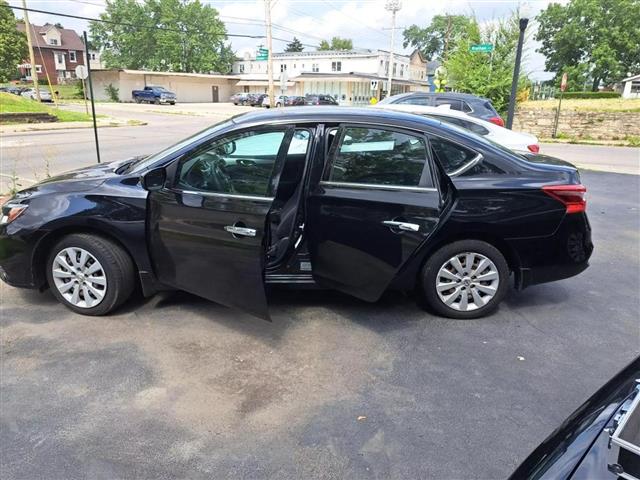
(241, 231)
(404, 226)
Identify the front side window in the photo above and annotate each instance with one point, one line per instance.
(239, 164)
(376, 156)
(454, 158)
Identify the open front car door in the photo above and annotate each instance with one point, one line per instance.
(206, 227)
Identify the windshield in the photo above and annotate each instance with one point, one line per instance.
(167, 152)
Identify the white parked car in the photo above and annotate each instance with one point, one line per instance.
(278, 102)
(45, 96)
(517, 141)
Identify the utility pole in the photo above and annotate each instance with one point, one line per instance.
(393, 6)
(267, 15)
(524, 21)
(32, 58)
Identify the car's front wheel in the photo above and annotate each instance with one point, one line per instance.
(465, 279)
(90, 274)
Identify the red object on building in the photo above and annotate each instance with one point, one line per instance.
(58, 51)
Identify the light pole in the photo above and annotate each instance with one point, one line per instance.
(524, 21)
(393, 6)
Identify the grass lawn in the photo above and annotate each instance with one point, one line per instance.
(10, 103)
(587, 104)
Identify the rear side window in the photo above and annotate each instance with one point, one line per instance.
(455, 104)
(414, 101)
(454, 158)
(377, 156)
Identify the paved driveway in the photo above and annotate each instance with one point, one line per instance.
(333, 388)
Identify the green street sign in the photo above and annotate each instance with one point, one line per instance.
(481, 47)
(263, 54)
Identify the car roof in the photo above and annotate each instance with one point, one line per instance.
(461, 96)
(426, 109)
(338, 114)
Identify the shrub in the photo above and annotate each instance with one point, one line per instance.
(112, 92)
(591, 95)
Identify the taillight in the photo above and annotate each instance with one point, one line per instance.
(573, 196)
(534, 148)
(497, 120)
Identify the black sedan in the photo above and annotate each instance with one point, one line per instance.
(358, 200)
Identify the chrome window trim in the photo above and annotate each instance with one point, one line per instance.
(467, 166)
(377, 186)
(226, 195)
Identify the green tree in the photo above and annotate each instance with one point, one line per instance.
(337, 43)
(438, 39)
(486, 74)
(13, 44)
(171, 35)
(294, 46)
(597, 38)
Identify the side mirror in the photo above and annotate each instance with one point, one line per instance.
(229, 147)
(154, 179)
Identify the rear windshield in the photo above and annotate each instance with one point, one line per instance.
(489, 106)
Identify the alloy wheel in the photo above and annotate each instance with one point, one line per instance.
(79, 277)
(468, 281)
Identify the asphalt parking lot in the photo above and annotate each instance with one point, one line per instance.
(176, 386)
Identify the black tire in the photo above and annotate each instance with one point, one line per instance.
(137, 100)
(156, 101)
(429, 278)
(116, 264)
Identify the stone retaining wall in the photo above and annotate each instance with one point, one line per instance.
(578, 124)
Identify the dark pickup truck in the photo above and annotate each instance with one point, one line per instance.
(154, 95)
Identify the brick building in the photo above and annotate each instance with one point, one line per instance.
(58, 51)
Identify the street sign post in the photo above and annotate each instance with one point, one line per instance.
(263, 54)
(481, 48)
(563, 87)
(82, 73)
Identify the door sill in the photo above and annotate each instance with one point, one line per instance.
(280, 278)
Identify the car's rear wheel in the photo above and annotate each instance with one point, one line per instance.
(137, 100)
(90, 274)
(465, 279)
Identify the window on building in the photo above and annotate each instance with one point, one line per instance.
(72, 56)
(401, 70)
(241, 68)
(315, 68)
(386, 67)
(92, 56)
(53, 41)
(635, 86)
(336, 66)
(380, 157)
(395, 66)
(283, 67)
(59, 58)
(38, 68)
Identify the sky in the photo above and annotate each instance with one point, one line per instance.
(365, 21)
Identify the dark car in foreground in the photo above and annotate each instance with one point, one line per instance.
(358, 200)
(600, 440)
(470, 104)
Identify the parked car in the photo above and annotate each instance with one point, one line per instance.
(517, 141)
(241, 98)
(280, 101)
(255, 99)
(313, 99)
(475, 106)
(600, 440)
(45, 95)
(154, 94)
(294, 101)
(12, 89)
(360, 200)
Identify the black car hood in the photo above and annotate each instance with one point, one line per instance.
(79, 180)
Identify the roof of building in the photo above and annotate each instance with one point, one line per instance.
(631, 78)
(69, 39)
(171, 74)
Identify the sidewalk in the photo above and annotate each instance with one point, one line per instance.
(7, 130)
